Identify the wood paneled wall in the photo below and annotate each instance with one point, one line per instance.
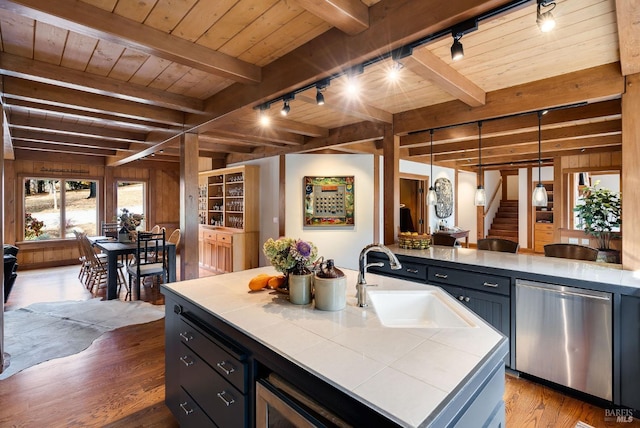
(163, 202)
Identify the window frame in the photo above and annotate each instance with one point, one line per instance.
(21, 209)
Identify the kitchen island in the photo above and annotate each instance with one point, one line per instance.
(352, 367)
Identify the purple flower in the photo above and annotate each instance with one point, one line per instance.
(303, 249)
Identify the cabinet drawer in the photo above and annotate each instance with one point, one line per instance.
(224, 237)
(191, 415)
(209, 234)
(544, 227)
(224, 404)
(229, 367)
(411, 271)
(477, 281)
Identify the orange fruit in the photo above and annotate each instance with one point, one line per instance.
(259, 281)
(276, 281)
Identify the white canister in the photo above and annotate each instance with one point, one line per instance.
(330, 293)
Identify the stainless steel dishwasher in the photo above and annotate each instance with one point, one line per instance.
(563, 334)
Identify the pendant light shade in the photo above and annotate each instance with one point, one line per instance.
(539, 198)
(480, 199)
(432, 197)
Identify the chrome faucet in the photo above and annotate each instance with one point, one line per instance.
(361, 286)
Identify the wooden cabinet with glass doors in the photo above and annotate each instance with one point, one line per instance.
(229, 223)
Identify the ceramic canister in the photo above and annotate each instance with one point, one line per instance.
(330, 293)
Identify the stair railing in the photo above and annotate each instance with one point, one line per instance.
(493, 197)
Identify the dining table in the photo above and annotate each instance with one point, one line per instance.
(115, 249)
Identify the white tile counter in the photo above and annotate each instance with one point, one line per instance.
(406, 374)
(605, 273)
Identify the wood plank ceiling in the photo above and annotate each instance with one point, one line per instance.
(122, 80)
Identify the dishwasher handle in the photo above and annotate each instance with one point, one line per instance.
(563, 292)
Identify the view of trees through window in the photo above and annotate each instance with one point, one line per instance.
(131, 195)
(54, 208)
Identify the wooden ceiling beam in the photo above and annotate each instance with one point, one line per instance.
(599, 129)
(24, 122)
(355, 109)
(44, 146)
(549, 148)
(590, 85)
(605, 110)
(350, 16)
(37, 71)
(257, 135)
(234, 141)
(628, 20)
(67, 140)
(98, 23)
(101, 119)
(70, 98)
(426, 64)
(347, 135)
(122, 159)
(217, 147)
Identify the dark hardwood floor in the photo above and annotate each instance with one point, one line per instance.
(119, 380)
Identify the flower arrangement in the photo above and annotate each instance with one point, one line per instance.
(290, 255)
(130, 221)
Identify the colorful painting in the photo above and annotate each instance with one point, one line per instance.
(328, 201)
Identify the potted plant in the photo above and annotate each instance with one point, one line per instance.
(293, 257)
(599, 213)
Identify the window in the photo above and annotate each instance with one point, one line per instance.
(54, 208)
(131, 195)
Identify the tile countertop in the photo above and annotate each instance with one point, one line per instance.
(605, 273)
(405, 374)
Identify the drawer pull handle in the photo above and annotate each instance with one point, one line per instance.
(441, 275)
(186, 336)
(412, 270)
(186, 360)
(490, 284)
(187, 411)
(224, 400)
(221, 366)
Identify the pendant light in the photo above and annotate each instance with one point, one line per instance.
(540, 193)
(432, 198)
(480, 199)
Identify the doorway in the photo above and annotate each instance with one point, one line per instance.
(413, 212)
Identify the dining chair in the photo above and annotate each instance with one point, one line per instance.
(174, 238)
(155, 229)
(150, 259)
(110, 230)
(571, 251)
(97, 269)
(443, 239)
(498, 244)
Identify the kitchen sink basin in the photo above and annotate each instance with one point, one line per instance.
(417, 309)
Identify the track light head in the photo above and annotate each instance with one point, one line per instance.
(466, 27)
(457, 51)
(545, 20)
(285, 109)
(263, 117)
(319, 98)
(320, 87)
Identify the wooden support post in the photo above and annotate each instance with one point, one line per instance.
(391, 186)
(189, 207)
(630, 176)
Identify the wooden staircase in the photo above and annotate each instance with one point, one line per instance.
(505, 223)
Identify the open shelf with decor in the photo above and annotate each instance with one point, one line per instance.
(229, 221)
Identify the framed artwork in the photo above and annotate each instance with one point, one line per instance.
(328, 201)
